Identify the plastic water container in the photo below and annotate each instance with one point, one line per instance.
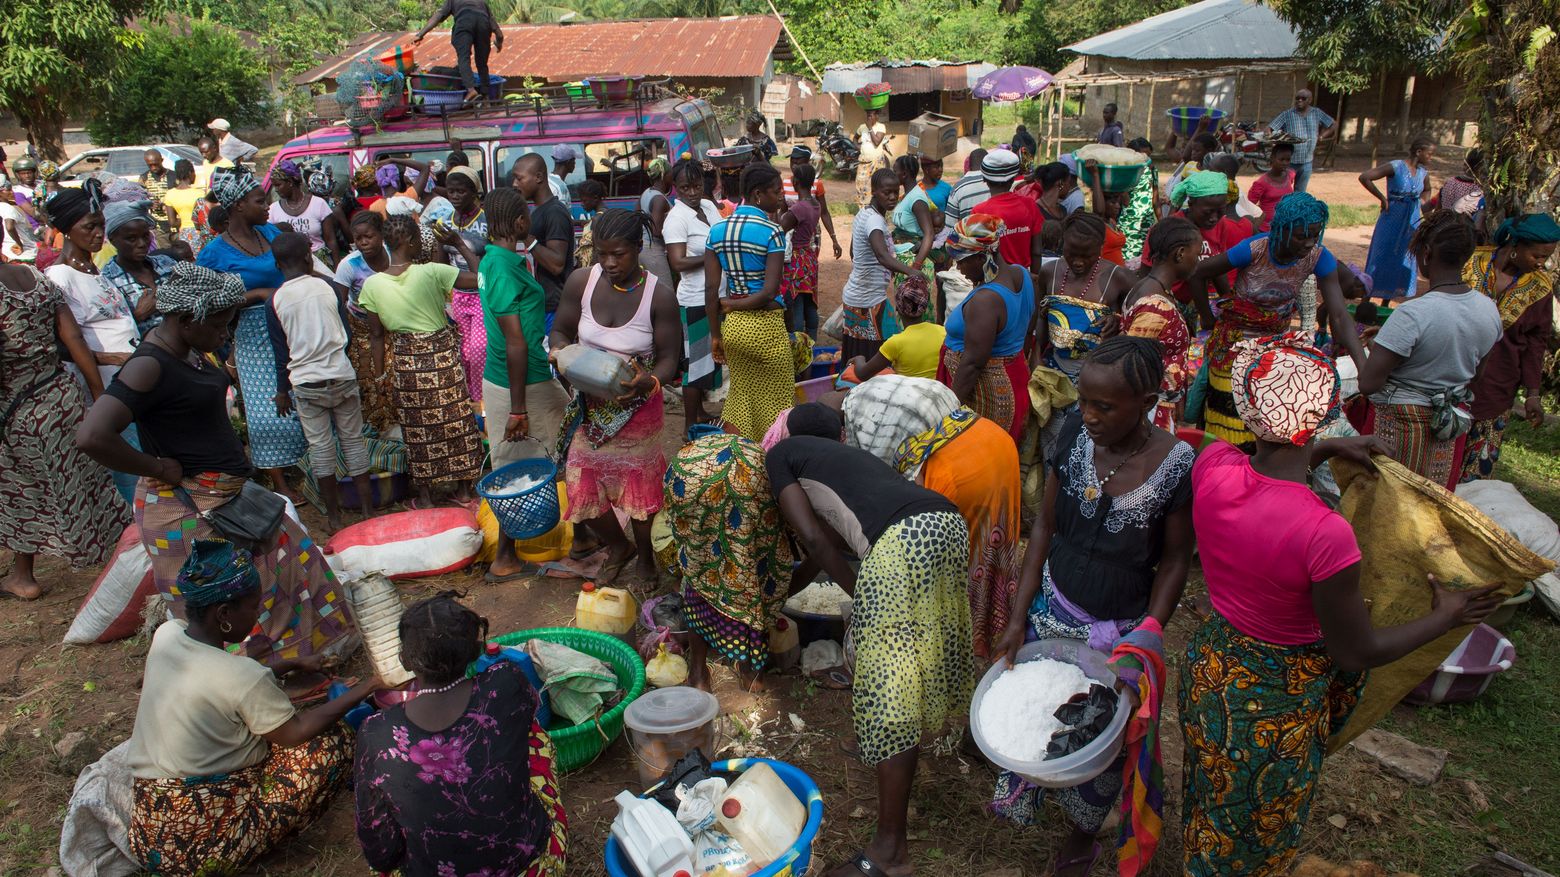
(785, 644)
(593, 372)
(1087, 763)
(668, 723)
(649, 834)
(605, 610)
(762, 814)
(496, 653)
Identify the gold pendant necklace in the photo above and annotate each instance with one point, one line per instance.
(1093, 491)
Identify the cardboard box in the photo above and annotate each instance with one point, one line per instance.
(934, 135)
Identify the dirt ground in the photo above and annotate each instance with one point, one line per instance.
(48, 690)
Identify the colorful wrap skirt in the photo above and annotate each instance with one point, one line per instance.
(1408, 433)
(275, 442)
(303, 610)
(731, 550)
(431, 403)
(466, 309)
(759, 354)
(221, 824)
(866, 329)
(1256, 718)
(911, 629)
(1001, 391)
(624, 471)
(1482, 450)
(801, 274)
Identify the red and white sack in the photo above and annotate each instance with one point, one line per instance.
(408, 545)
(112, 608)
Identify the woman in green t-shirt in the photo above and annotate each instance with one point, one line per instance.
(408, 302)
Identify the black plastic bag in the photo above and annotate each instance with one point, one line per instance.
(1085, 717)
(690, 769)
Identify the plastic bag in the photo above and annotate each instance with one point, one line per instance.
(956, 288)
(712, 848)
(663, 617)
(578, 684)
(834, 326)
(666, 670)
(1409, 527)
(686, 771)
(824, 654)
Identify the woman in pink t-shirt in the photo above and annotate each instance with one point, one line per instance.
(1270, 188)
(1278, 667)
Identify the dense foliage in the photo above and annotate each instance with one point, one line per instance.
(153, 100)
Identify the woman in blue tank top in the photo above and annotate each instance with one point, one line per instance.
(983, 355)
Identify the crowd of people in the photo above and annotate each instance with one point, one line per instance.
(368, 331)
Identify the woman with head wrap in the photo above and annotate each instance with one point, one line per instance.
(612, 446)
(1389, 261)
(983, 353)
(302, 210)
(733, 558)
(408, 302)
(460, 779)
(1270, 271)
(917, 350)
(53, 498)
(1428, 352)
(468, 220)
(1084, 295)
(1282, 657)
(134, 270)
(107, 318)
(910, 621)
(175, 392)
(655, 203)
(244, 249)
(224, 766)
(1512, 273)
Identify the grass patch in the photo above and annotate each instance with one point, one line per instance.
(1530, 459)
(844, 208)
(1346, 215)
(1499, 787)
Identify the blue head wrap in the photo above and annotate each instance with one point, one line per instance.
(217, 571)
(1298, 210)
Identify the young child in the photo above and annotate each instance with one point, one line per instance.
(1270, 188)
(1107, 206)
(592, 193)
(799, 284)
(309, 337)
(915, 350)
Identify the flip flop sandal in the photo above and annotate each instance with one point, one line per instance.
(868, 867)
(491, 579)
(1087, 860)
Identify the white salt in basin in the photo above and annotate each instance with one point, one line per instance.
(1067, 770)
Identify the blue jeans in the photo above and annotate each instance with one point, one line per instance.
(1302, 175)
(802, 315)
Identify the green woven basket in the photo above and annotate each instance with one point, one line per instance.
(582, 744)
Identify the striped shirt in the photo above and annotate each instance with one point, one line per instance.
(742, 243)
(157, 188)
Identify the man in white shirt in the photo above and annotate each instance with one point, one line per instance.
(968, 191)
(564, 157)
(309, 339)
(228, 144)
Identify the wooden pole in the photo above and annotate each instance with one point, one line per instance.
(1148, 130)
(803, 52)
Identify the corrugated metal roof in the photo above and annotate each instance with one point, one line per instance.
(1242, 30)
(906, 77)
(731, 47)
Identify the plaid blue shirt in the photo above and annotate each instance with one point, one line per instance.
(1306, 126)
(127, 286)
(742, 242)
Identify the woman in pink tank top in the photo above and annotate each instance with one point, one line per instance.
(612, 447)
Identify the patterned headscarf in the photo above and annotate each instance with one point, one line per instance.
(68, 206)
(199, 292)
(976, 234)
(122, 189)
(48, 171)
(1297, 210)
(1285, 389)
(231, 184)
(117, 213)
(289, 169)
(911, 298)
(469, 173)
(216, 572)
(657, 168)
(388, 177)
(364, 177)
(1203, 184)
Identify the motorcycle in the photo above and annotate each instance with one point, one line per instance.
(1247, 142)
(841, 149)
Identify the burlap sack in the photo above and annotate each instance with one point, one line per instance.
(1408, 528)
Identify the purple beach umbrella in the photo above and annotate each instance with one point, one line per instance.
(1012, 83)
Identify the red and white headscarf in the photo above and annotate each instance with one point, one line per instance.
(1284, 388)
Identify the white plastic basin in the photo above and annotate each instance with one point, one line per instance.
(1087, 763)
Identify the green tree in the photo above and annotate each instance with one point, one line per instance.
(58, 55)
(1504, 51)
(154, 99)
(1041, 29)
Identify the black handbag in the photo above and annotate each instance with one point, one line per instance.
(248, 520)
